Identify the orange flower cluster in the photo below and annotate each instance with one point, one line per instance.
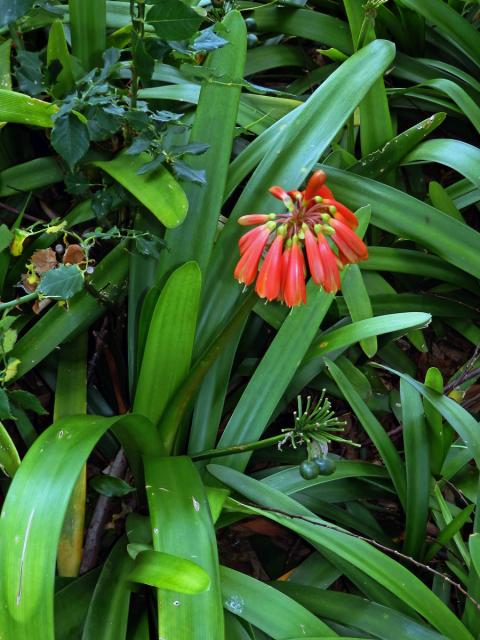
(312, 216)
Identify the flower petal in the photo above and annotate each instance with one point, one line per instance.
(269, 279)
(313, 256)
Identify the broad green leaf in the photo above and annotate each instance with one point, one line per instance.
(22, 109)
(158, 190)
(176, 496)
(374, 429)
(61, 283)
(458, 155)
(70, 138)
(268, 609)
(173, 20)
(169, 344)
(214, 124)
(387, 572)
(165, 571)
(417, 467)
(47, 476)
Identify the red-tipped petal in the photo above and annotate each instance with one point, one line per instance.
(331, 279)
(254, 218)
(281, 194)
(349, 244)
(246, 240)
(247, 267)
(316, 181)
(313, 256)
(294, 292)
(269, 279)
(343, 213)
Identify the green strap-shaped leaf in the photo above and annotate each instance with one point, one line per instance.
(264, 391)
(214, 124)
(305, 24)
(299, 140)
(460, 419)
(268, 609)
(459, 31)
(88, 28)
(374, 429)
(463, 157)
(30, 175)
(369, 617)
(182, 526)
(405, 216)
(417, 467)
(358, 303)
(107, 615)
(158, 190)
(169, 344)
(30, 528)
(22, 109)
(71, 400)
(387, 572)
(9, 458)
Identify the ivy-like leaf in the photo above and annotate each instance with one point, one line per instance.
(208, 40)
(11, 10)
(30, 73)
(110, 486)
(173, 20)
(142, 60)
(61, 283)
(27, 401)
(192, 149)
(152, 165)
(70, 138)
(182, 170)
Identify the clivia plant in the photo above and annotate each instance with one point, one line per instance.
(153, 349)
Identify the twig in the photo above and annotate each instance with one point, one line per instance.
(100, 517)
(467, 374)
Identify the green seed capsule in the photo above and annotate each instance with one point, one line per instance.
(325, 466)
(308, 470)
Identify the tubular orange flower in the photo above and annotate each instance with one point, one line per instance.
(269, 279)
(349, 244)
(247, 266)
(312, 216)
(294, 292)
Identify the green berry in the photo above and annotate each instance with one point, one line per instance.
(325, 466)
(309, 470)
